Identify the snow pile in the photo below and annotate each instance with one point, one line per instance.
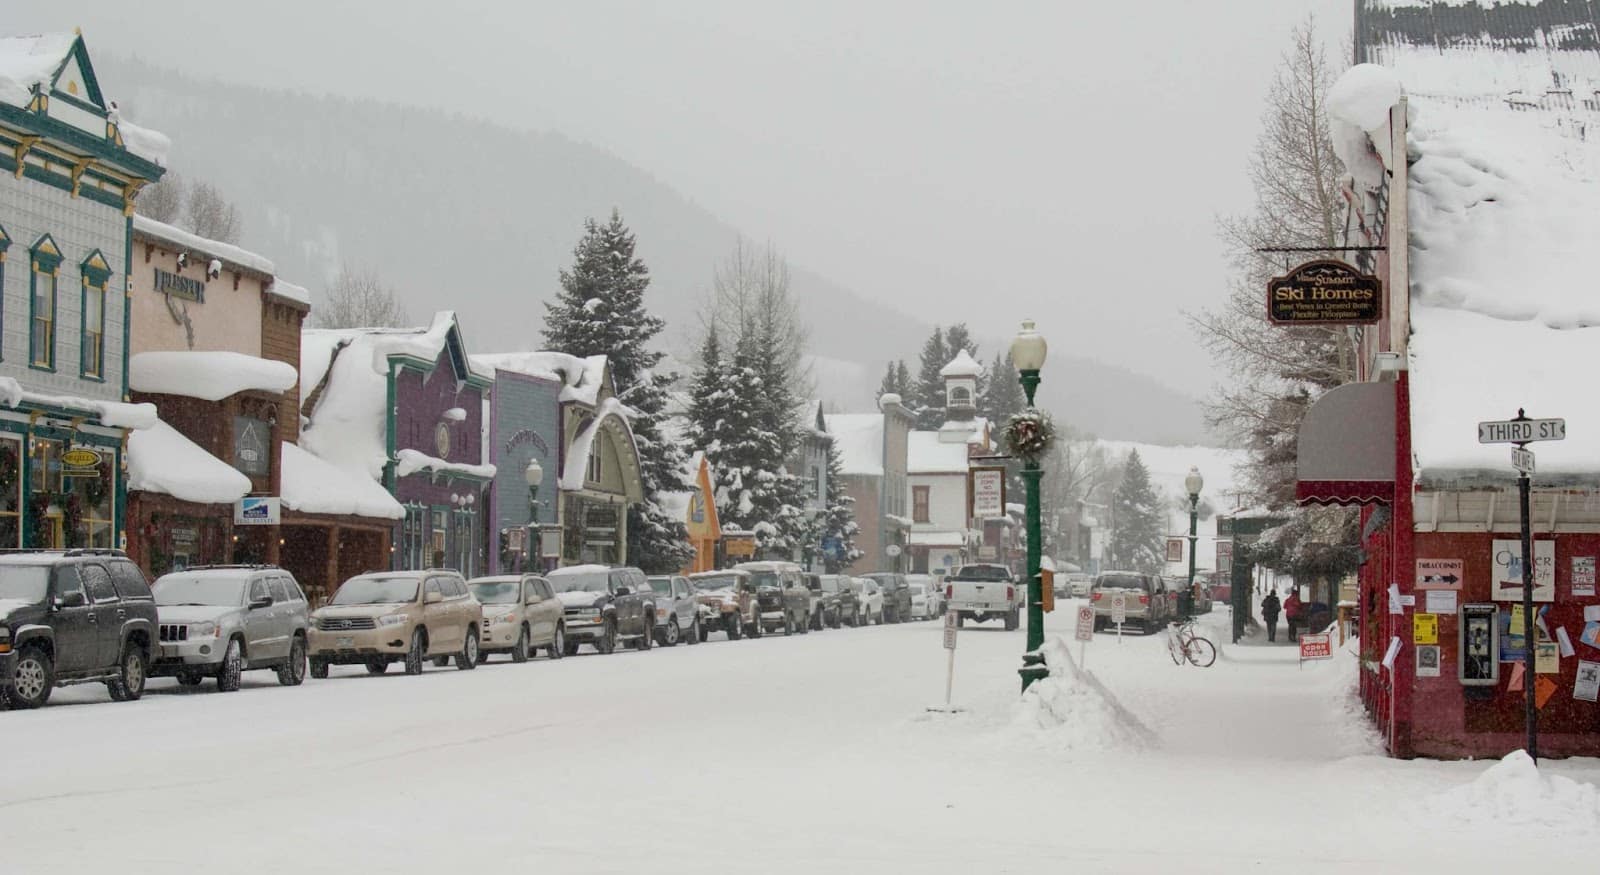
(1358, 111)
(1514, 793)
(115, 414)
(312, 485)
(581, 378)
(285, 289)
(197, 245)
(209, 376)
(161, 460)
(152, 146)
(409, 462)
(859, 437)
(1072, 712)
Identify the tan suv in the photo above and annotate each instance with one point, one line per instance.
(388, 616)
(520, 615)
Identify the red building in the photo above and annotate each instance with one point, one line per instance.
(1482, 191)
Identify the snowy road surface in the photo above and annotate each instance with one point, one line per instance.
(798, 754)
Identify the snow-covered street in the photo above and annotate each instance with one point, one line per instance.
(778, 755)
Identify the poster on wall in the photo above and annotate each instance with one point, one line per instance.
(1428, 661)
(1507, 579)
(1546, 658)
(1583, 575)
(1588, 685)
(1174, 549)
(1424, 628)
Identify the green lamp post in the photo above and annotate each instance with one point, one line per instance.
(1193, 483)
(1027, 353)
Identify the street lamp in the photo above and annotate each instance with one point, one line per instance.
(534, 475)
(1193, 483)
(1027, 353)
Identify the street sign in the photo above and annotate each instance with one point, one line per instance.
(949, 639)
(1085, 631)
(1522, 431)
(1522, 460)
(950, 619)
(1119, 607)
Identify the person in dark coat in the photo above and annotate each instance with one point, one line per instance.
(1269, 612)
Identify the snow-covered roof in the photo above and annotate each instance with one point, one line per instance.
(160, 460)
(927, 454)
(575, 468)
(314, 485)
(285, 289)
(27, 61)
(963, 365)
(229, 253)
(115, 414)
(940, 538)
(348, 426)
(210, 376)
(1504, 212)
(859, 437)
(408, 462)
(580, 378)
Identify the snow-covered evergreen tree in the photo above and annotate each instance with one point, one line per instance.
(600, 311)
(838, 518)
(896, 380)
(927, 397)
(743, 451)
(1136, 536)
(1004, 398)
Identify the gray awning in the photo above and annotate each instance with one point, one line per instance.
(1346, 447)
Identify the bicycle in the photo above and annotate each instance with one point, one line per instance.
(1183, 643)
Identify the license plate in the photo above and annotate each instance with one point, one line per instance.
(344, 642)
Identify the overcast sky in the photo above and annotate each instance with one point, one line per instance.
(984, 162)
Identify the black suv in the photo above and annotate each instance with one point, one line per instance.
(73, 617)
(896, 595)
(603, 606)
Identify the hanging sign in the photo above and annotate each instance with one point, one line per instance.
(988, 492)
(1174, 549)
(80, 462)
(1325, 292)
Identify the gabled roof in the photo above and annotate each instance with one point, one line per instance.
(859, 437)
(584, 380)
(927, 454)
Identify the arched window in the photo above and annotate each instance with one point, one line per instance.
(46, 264)
(960, 395)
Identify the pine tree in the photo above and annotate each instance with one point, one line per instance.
(839, 526)
(902, 378)
(888, 385)
(742, 451)
(1137, 520)
(927, 398)
(600, 311)
(1004, 398)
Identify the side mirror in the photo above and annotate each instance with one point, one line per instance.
(72, 599)
(432, 598)
(264, 601)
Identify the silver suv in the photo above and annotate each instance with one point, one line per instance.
(221, 621)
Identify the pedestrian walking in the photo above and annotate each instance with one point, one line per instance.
(1269, 613)
(1294, 612)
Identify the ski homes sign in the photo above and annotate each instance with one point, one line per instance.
(1324, 292)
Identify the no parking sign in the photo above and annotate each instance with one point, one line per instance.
(1085, 623)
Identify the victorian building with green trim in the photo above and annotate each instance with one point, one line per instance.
(70, 169)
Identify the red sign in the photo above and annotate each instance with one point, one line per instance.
(1316, 647)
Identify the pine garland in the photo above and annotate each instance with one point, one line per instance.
(1030, 434)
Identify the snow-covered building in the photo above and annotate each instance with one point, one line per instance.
(564, 411)
(406, 408)
(72, 167)
(810, 462)
(696, 507)
(216, 347)
(938, 464)
(1469, 138)
(872, 456)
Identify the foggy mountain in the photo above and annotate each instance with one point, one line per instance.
(460, 213)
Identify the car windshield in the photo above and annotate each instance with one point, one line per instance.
(764, 578)
(198, 589)
(662, 585)
(27, 583)
(717, 581)
(580, 582)
(377, 591)
(1119, 581)
(495, 592)
(885, 582)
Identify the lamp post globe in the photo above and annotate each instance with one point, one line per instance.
(1028, 351)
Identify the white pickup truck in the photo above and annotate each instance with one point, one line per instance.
(984, 592)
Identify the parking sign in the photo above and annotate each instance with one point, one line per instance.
(1119, 607)
(1085, 623)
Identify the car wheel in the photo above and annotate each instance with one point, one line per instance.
(648, 639)
(377, 665)
(788, 624)
(467, 659)
(32, 679)
(607, 642)
(519, 650)
(231, 672)
(558, 643)
(189, 679)
(293, 672)
(1012, 621)
(802, 625)
(414, 653)
(961, 620)
(131, 675)
(669, 638)
(319, 669)
(697, 632)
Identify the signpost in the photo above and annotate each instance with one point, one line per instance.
(988, 492)
(1523, 431)
(1119, 611)
(1085, 630)
(950, 662)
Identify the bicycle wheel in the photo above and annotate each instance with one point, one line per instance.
(1201, 652)
(1174, 647)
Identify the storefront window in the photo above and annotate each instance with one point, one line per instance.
(437, 538)
(10, 493)
(86, 514)
(45, 511)
(411, 536)
(466, 541)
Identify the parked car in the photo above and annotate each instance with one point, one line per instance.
(1075, 585)
(605, 606)
(924, 604)
(73, 617)
(1147, 604)
(382, 617)
(520, 615)
(896, 595)
(936, 602)
(781, 594)
(824, 603)
(677, 610)
(221, 621)
(1219, 586)
(982, 592)
(848, 604)
(727, 600)
(870, 600)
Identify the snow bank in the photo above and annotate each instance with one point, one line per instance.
(581, 378)
(313, 485)
(161, 460)
(1072, 712)
(209, 376)
(194, 243)
(1514, 793)
(115, 414)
